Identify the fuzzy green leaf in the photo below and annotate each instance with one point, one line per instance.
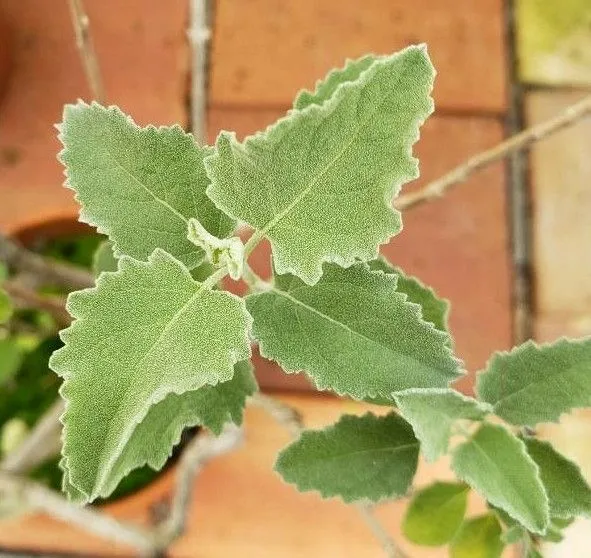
(210, 406)
(104, 259)
(138, 185)
(6, 307)
(144, 332)
(568, 492)
(433, 413)
(435, 513)
(478, 538)
(326, 88)
(357, 458)
(320, 182)
(495, 463)
(352, 332)
(433, 308)
(537, 383)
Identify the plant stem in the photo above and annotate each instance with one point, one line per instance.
(520, 141)
(43, 499)
(30, 298)
(201, 450)
(18, 257)
(291, 419)
(85, 46)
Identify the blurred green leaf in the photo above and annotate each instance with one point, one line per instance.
(478, 538)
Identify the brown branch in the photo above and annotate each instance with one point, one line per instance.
(18, 257)
(30, 298)
(85, 46)
(520, 141)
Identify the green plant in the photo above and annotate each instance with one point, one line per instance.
(154, 350)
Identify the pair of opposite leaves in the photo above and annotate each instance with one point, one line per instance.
(318, 184)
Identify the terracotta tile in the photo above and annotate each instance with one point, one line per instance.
(560, 178)
(141, 46)
(264, 51)
(458, 244)
(554, 41)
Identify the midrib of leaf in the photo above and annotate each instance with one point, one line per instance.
(495, 466)
(144, 187)
(253, 241)
(156, 397)
(341, 324)
(392, 449)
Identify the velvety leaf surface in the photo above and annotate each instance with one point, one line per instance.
(537, 383)
(352, 332)
(478, 538)
(357, 458)
(138, 185)
(435, 513)
(433, 308)
(433, 412)
(568, 492)
(104, 259)
(144, 332)
(320, 182)
(495, 463)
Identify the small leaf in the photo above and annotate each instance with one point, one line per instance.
(221, 252)
(11, 357)
(352, 332)
(6, 307)
(537, 383)
(358, 458)
(144, 332)
(209, 406)
(433, 413)
(568, 492)
(104, 259)
(319, 183)
(435, 514)
(433, 308)
(478, 538)
(12, 434)
(326, 87)
(495, 464)
(138, 185)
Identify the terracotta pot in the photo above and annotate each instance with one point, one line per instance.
(4, 55)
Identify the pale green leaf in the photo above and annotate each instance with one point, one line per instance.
(320, 182)
(11, 357)
(478, 538)
(104, 259)
(568, 492)
(433, 308)
(435, 513)
(357, 458)
(352, 332)
(210, 406)
(12, 434)
(6, 307)
(495, 463)
(537, 383)
(325, 88)
(433, 413)
(138, 185)
(144, 332)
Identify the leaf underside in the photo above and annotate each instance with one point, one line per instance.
(142, 333)
(138, 185)
(351, 332)
(357, 458)
(319, 183)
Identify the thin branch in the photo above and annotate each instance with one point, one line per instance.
(201, 450)
(43, 499)
(85, 46)
(30, 298)
(199, 38)
(520, 141)
(16, 256)
(43, 442)
(291, 419)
